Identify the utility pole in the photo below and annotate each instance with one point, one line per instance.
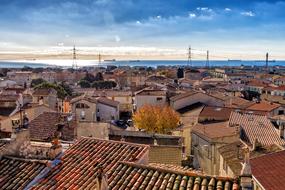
(74, 64)
(207, 61)
(189, 56)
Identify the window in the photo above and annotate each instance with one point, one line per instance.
(82, 106)
(159, 99)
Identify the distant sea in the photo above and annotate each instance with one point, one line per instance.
(146, 63)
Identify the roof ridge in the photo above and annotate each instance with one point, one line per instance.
(26, 160)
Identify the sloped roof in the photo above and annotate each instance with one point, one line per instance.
(135, 176)
(43, 127)
(272, 174)
(16, 174)
(263, 106)
(218, 113)
(44, 91)
(256, 127)
(214, 130)
(80, 163)
(182, 95)
(108, 102)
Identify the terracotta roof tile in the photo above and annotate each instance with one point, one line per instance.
(17, 174)
(43, 127)
(272, 174)
(263, 106)
(108, 102)
(214, 130)
(255, 127)
(216, 113)
(80, 163)
(43, 91)
(130, 176)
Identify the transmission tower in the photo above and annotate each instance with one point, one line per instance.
(189, 56)
(207, 61)
(74, 63)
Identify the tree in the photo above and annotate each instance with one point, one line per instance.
(84, 83)
(156, 119)
(67, 88)
(89, 77)
(180, 73)
(104, 84)
(37, 81)
(61, 93)
(99, 77)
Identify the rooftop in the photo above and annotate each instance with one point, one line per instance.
(43, 127)
(107, 101)
(147, 92)
(263, 106)
(135, 176)
(80, 163)
(214, 130)
(256, 127)
(272, 174)
(16, 174)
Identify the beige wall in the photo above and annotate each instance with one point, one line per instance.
(90, 113)
(93, 129)
(165, 154)
(141, 100)
(206, 155)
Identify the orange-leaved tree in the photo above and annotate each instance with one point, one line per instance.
(156, 119)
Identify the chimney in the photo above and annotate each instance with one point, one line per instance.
(245, 177)
(101, 180)
(281, 130)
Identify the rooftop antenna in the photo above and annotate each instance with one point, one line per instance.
(74, 64)
(189, 56)
(207, 61)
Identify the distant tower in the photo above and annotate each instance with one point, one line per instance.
(74, 63)
(267, 56)
(207, 61)
(99, 59)
(189, 56)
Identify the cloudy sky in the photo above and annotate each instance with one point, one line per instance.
(228, 28)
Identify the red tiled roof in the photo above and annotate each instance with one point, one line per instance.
(256, 127)
(43, 91)
(214, 130)
(130, 176)
(216, 113)
(263, 106)
(269, 170)
(108, 102)
(43, 127)
(80, 163)
(16, 174)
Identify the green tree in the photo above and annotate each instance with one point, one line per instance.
(37, 81)
(84, 83)
(61, 93)
(99, 77)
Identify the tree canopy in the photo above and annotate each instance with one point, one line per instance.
(156, 119)
(61, 89)
(37, 81)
